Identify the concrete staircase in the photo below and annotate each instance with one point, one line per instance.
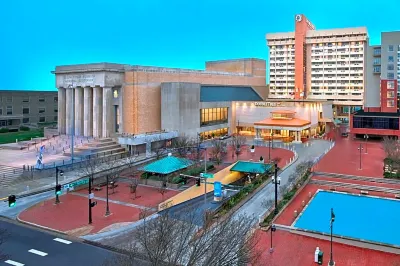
(98, 148)
(9, 175)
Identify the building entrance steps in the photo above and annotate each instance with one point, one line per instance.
(97, 147)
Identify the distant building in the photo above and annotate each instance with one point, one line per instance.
(27, 107)
(380, 115)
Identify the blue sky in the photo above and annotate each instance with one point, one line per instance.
(35, 36)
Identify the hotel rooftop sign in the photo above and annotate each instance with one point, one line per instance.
(268, 104)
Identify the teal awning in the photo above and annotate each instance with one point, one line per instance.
(167, 165)
(251, 167)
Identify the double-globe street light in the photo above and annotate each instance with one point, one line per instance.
(360, 149)
(58, 171)
(276, 181)
(270, 145)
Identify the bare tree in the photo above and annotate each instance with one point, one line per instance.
(267, 203)
(217, 150)
(182, 145)
(165, 240)
(133, 185)
(114, 173)
(391, 147)
(163, 188)
(236, 142)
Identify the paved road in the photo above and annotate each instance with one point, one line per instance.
(255, 206)
(30, 247)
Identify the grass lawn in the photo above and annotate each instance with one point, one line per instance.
(21, 136)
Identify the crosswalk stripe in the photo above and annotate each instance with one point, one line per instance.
(62, 241)
(11, 262)
(37, 252)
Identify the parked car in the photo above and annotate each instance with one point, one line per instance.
(224, 137)
(345, 134)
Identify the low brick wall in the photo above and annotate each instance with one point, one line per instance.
(155, 183)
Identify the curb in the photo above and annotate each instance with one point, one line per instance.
(41, 227)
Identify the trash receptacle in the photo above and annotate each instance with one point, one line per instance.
(320, 258)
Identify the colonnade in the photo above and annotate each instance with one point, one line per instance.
(86, 110)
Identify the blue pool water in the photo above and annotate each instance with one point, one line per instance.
(359, 217)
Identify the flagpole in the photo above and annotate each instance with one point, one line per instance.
(331, 262)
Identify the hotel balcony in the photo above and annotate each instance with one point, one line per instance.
(330, 65)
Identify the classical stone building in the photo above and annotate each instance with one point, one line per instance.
(104, 99)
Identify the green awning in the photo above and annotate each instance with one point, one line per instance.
(167, 165)
(251, 167)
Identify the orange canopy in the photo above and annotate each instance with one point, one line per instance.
(295, 122)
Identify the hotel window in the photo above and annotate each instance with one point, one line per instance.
(390, 67)
(9, 99)
(41, 99)
(9, 110)
(115, 93)
(56, 118)
(25, 100)
(42, 110)
(56, 99)
(377, 61)
(390, 75)
(25, 110)
(390, 59)
(390, 48)
(55, 109)
(1, 111)
(390, 103)
(390, 94)
(377, 51)
(213, 116)
(25, 120)
(42, 119)
(390, 85)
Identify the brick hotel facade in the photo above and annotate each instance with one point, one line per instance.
(320, 65)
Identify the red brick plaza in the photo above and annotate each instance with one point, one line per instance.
(344, 157)
(71, 215)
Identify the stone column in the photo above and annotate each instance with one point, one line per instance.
(79, 111)
(61, 111)
(69, 111)
(108, 117)
(88, 112)
(97, 112)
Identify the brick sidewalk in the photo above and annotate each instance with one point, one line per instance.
(295, 250)
(71, 215)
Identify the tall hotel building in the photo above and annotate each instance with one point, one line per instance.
(319, 65)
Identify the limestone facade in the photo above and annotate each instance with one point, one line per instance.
(104, 99)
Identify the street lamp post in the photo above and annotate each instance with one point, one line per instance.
(107, 207)
(360, 149)
(61, 174)
(90, 200)
(331, 262)
(276, 181)
(273, 229)
(366, 137)
(205, 179)
(271, 145)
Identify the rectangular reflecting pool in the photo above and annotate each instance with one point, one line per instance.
(360, 217)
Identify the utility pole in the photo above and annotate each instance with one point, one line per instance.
(107, 207)
(331, 262)
(276, 181)
(90, 199)
(61, 173)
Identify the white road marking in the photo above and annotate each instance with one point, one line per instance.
(37, 252)
(62, 241)
(11, 262)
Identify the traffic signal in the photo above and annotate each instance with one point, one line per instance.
(58, 190)
(12, 201)
(198, 182)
